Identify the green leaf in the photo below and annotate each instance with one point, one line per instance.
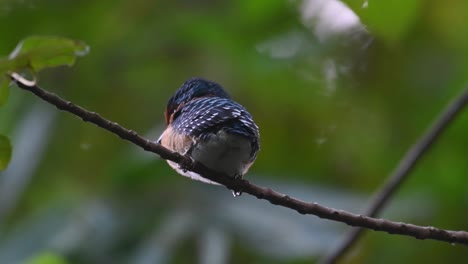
(38, 53)
(4, 90)
(5, 152)
(47, 258)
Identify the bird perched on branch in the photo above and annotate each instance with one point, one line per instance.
(204, 124)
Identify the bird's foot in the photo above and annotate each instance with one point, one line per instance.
(237, 193)
(187, 164)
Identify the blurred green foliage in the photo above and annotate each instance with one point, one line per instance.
(35, 54)
(5, 151)
(4, 92)
(336, 106)
(47, 258)
(390, 20)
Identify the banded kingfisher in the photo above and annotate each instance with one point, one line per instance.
(205, 124)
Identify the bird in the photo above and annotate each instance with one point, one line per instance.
(206, 125)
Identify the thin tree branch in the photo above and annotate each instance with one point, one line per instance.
(419, 232)
(401, 172)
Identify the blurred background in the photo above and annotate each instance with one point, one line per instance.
(340, 90)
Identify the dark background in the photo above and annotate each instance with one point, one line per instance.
(338, 99)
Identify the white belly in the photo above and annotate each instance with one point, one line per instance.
(223, 152)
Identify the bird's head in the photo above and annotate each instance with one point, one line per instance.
(190, 90)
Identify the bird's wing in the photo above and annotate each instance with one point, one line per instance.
(208, 115)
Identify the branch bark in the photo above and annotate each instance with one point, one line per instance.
(419, 232)
(401, 172)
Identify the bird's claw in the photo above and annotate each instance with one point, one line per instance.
(237, 193)
(187, 164)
